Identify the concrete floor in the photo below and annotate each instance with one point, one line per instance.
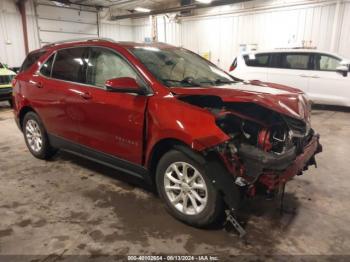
(73, 206)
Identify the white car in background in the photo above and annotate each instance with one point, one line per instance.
(323, 76)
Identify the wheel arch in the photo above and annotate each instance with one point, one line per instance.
(24, 110)
(223, 181)
(162, 147)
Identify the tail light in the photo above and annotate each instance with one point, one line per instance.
(232, 67)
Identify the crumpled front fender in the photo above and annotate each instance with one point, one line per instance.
(170, 118)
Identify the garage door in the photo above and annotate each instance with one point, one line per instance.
(59, 23)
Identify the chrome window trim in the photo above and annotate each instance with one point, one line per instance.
(150, 91)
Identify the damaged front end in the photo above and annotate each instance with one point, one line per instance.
(265, 147)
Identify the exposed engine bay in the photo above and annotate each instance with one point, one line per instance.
(263, 141)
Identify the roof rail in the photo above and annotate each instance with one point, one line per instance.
(297, 47)
(83, 39)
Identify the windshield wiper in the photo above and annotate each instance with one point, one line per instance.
(218, 82)
(221, 81)
(188, 80)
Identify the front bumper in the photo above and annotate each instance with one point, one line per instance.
(5, 93)
(273, 179)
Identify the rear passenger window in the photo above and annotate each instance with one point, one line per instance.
(47, 66)
(260, 60)
(296, 61)
(70, 64)
(30, 60)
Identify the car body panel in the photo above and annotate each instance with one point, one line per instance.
(321, 86)
(329, 88)
(170, 118)
(128, 126)
(111, 122)
(282, 99)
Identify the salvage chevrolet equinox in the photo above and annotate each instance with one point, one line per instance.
(168, 116)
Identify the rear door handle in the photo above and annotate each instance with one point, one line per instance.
(315, 76)
(85, 95)
(304, 75)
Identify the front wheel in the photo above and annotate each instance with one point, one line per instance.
(187, 191)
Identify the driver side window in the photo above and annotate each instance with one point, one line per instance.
(328, 63)
(105, 64)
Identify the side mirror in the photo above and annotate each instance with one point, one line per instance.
(344, 70)
(124, 85)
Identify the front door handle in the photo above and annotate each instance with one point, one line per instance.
(39, 85)
(85, 95)
(315, 76)
(304, 75)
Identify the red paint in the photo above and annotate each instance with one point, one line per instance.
(232, 67)
(128, 125)
(123, 83)
(264, 140)
(273, 179)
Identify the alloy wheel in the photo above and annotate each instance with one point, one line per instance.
(34, 135)
(185, 188)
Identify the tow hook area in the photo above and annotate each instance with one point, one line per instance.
(232, 220)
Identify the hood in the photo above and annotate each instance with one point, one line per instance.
(285, 100)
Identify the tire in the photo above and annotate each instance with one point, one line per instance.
(208, 211)
(11, 103)
(36, 137)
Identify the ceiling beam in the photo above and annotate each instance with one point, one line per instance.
(177, 9)
(78, 3)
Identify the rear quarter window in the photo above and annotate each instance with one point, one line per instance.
(47, 66)
(31, 59)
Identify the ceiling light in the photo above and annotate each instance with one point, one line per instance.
(142, 10)
(62, 3)
(204, 1)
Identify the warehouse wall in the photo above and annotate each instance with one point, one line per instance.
(344, 40)
(270, 28)
(11, 34)
(269, 24)
(117, 30)
(218, 31)
(39, 28)
(57, 23)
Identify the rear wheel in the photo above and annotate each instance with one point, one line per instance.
(187, 191)
(36, 137)
(11, 103)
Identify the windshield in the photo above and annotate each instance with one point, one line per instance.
(178, 67)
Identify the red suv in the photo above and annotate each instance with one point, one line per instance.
(165, 114)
